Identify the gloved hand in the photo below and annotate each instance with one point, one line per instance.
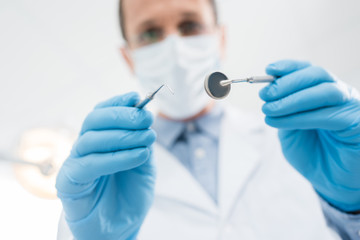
(318, 118)
(107, 183)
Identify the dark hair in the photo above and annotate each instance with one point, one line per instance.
(121, 15)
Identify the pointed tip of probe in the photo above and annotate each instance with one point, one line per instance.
(159, 89)
(164, 85)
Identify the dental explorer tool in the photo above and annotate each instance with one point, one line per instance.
(151, 96)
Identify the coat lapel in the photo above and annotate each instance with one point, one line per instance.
(238, 159)
(175, 182)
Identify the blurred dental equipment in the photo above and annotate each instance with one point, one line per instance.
(38, 158)
(46, 167)
(151, 96)
(218, 86)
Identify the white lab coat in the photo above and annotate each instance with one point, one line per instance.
(260, 195)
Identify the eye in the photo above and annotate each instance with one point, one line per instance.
(188, 28)
(150, 36)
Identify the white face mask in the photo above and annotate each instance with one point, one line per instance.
(182, 63)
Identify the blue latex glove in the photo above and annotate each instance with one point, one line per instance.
(319, 128)
(107, 183)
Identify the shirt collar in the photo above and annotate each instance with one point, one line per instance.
(168, 131)
(210, 122)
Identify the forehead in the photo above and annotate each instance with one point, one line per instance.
(138, 11)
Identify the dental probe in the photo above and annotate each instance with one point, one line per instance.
(151, 96)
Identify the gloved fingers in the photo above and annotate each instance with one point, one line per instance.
(125, 100)
(333, 118)
(319, 96)
(117, 118)
(84, 170)
(295, 82)
(112, 141)
(285, 67)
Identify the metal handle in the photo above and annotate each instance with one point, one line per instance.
(143, 103)
(261, 79)
(254, 79)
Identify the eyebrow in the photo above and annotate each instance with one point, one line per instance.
(190, 14)
(150, 22)
(147, 24)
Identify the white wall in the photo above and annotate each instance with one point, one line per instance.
(59, 58)
(325, 32)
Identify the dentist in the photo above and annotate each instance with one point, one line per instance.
(212, 172)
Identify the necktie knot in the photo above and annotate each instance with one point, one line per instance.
(188, 129)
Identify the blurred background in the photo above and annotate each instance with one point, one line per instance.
(59, 58)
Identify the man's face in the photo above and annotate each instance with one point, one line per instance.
(150, 21)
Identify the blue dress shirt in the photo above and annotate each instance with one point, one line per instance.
(196, 145)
